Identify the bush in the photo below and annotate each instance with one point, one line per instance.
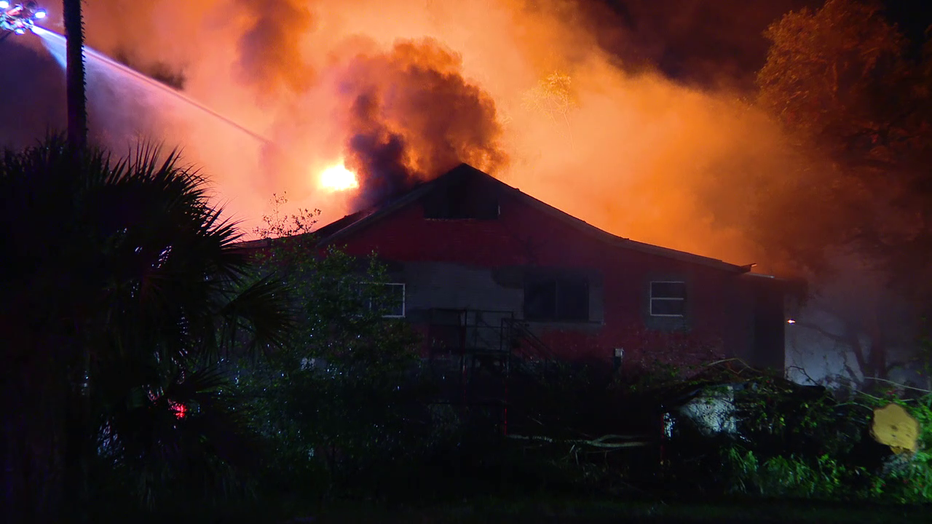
(839, 460)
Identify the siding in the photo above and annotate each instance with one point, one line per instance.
(477, 264)
(481, 265)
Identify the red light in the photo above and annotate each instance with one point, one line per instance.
(180, 409)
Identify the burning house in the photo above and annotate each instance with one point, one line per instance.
(489, 274)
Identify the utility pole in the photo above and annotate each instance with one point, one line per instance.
(76, 399)
(77, 97)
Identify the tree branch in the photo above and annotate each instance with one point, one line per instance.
(897, 384)
(601, 442)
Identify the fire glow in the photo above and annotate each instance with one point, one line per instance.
(406, 90)
(338, 178)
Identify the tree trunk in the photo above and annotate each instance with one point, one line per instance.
(77, 99)
(878, 354)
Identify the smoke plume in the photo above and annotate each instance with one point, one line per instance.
(592, 116)
(706, 43)
(412, 116)
(269, 55)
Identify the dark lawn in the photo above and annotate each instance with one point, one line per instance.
(592, 512)
(559, 510)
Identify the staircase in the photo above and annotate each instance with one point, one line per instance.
(474, 353)
(525, 344)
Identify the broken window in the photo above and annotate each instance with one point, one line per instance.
(668, 299)
(556, 299)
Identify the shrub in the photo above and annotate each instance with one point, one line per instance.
(840, 460)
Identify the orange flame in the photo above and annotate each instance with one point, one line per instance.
(337, 178)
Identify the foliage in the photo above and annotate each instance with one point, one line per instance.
(855, 108)
(184, 442)
(649, 376)
(790, 476)
(840, 81)
(908, 477)
(278, 225)
(826, 69)
(337, 399)
(825, 452)
(555, 98)
(123, 288)
(790, 440)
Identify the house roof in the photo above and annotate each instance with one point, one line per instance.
(350, 224)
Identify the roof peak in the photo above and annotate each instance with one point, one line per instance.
(356, 221)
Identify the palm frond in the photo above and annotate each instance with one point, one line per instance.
(260, 316)
(186, 434)
(125, 259)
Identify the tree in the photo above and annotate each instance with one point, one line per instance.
(830, 73)
(841, 82)
(337, 400)
(123, 290)
(554, 98)
(77, 98)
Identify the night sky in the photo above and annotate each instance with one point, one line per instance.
(713, 43)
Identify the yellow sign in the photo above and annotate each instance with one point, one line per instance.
(895, 427)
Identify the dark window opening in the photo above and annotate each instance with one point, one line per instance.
(557, 299)
(668, 299)
(460, 203)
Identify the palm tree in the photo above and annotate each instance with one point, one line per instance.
(119, 272)
(77, 98)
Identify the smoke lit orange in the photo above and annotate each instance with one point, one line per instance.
(519, 89)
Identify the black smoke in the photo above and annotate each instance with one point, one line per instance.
(705, 43)
(413, 116)
(379, 154)
(269, 50)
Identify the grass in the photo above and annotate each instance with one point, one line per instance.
(591, 511)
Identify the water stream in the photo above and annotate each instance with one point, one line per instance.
(243, 167)
(57, 45)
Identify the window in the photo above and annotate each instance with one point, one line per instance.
(388, 298)
(557, 299)
(668, 299)
(461, 210)
(462, 201)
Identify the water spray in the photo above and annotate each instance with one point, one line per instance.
(335, 178)
(51, 38)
